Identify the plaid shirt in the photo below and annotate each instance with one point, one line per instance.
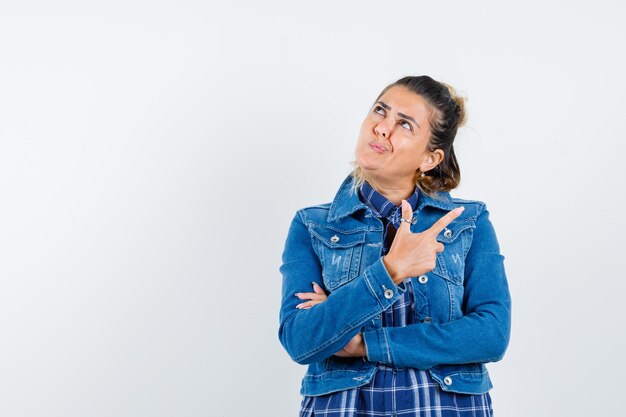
(406, 392)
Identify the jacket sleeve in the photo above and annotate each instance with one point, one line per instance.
(481, 335)
(312, 335)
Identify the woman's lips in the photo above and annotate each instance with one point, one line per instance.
(377, 147)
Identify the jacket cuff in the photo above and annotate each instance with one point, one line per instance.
(381, 285)
(377, 346)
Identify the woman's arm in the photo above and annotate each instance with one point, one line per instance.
(481, 335)
(312, 335)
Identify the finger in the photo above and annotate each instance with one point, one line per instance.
(439, 247)
(309, 304)
(445, 220)
(318, 289)
(311, 296)
(318, 297)
(407, 213)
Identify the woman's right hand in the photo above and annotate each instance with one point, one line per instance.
(412, 254)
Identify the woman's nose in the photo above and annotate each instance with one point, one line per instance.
(383, 129)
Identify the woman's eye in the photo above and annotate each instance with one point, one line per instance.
(379, 110)
(405, 124)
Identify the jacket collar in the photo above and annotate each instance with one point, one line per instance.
(347, 201)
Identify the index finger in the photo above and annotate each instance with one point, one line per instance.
(444, 220)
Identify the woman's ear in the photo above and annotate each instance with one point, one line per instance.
(433, 159)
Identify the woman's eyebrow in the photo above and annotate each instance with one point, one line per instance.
(404, 116)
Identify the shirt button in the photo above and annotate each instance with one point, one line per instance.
(423, 279)
(447, 380)
(388, 294)
(428, 320)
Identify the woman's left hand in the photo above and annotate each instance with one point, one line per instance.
(354, 349)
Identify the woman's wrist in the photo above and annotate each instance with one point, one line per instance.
(393, 272)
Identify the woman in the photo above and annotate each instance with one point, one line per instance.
(409, 296)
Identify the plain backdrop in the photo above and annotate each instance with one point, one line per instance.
(153, 154)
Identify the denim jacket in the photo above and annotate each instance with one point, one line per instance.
(462, 307)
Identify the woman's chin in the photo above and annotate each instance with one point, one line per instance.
(368, 163)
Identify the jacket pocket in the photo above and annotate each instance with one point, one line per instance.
(470, 378)
(339, 253)
(457, 239)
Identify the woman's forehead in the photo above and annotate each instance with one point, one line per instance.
(400, 99)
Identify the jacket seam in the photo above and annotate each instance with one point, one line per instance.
(300, 213)
(369, 285)
(347, 232)
(387, 348)
(312, 376)
(478, 373)
(481, 208)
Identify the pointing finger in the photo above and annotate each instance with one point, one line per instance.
(445, 220)
(407, 213)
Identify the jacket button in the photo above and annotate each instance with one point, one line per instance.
(447, 233)
(388, 294)
(428, 319)
(334, 239)
(447, 380)
(423, 279)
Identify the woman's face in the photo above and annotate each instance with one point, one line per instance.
(393, 142)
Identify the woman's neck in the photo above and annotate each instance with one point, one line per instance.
(393, 191)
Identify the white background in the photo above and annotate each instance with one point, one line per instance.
(152, 155)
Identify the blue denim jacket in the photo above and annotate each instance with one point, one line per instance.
(463, 306)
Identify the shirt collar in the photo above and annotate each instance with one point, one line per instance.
(383, 207)
(347, 202)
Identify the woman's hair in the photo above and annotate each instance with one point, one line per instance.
(447, 115)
